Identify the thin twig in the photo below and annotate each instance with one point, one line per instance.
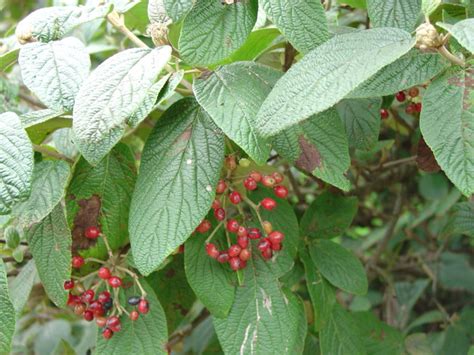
(52, 153)
(179, 335)
(294, 184)
(451, 57)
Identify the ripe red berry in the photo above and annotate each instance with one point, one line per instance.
(134, 315)
(276, 246)
(114, 323)
(268, 203)
(88, 296)
(410, 109)
(268, 181)
(414, 92)
(216, 204)
(107, 333)
(400, 96)
(221, 187)
(235, 263)
(245, 254)
(250, 184)
(72, 300)
(280, 191)
(219, 214)
(384, 114)
(243, 241)
(77, 262)
(88, 315)
(278, 177)
(242, 232)
(230, 162)
(276, 237)
(264, 244)
(104, 273)
(235, 197)
(232, 226)
(115, 281)
(267, 254)
(418, 107)
(101, 322)
(256, 176)
(92, 232)
(254, 233)
(143, 306)
(223, 257)
(234, 250)
(68, 284)
(204, 226)
(103, 297)
(212, 250)
(97, 308)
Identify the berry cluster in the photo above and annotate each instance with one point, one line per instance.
(414, 106)
(269, 241)
(101, 306)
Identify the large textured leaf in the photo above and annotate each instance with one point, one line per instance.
(461, 220)
(50, 244)
(33, 118)
(157, 12)
(113, 92)
(7, 312)
(319, 146)
(232, 95)
(147, 335)
(180, 167)
(16, 162)
(414, 68)
(394, 13)
(447, 125)
(303, 22)
(429, 6)
(177, 9)
(50, 178)
(463, 32)
(52, 23)
(100, 196)
(339, 266)
(55, 71)
(341, 335)
(21, 285)
(328, 73)
(212, 30)
(362, 121)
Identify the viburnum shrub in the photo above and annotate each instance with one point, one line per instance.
(237, 176)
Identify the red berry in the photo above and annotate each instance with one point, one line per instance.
(230, 162)
(77, 262)
(242, 232)
(88, 315)
(97, 308)
(69, 284)
(72, 300)
(243, 241)
(216, 204)
(264, 244)
(104, 273)
(221, 187)
(115, 281)
(114, 323)
(223, 258)
(234, 250)
(254, 233)
(204, 226)
(267, 254)
(92, 232)
(276, 237)
(181, 249)
(268, 181)
(250, 184)
(418, 107)
(235, 197)
(212, 251)
(414, 92)
(276, 246)
(268, 203)
(134, 315)
(278, 177)
(232, 226)
(107, 333)
(79, 309)
(400, 96)
(103, 297)
(256, 176)
(219, 214)
(280, 191)
(384, 114)
(410, 109)
(235, 263)
(143, 306)
(245, 255)
(88, 296)
(101, 322)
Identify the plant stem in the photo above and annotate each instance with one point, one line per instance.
(214, 232)
(451, 57)
(51, 153)
(118, 22)
(107, 245)
(135, 278)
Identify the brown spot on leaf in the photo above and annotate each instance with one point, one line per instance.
(310, 158)
(425, 158)
(88, 215)
(206, 75)
(170, 273)
(181, 142)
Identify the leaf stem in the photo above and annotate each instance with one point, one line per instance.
(451, 57)
(107, 245)
(135, 279)
(51, 153)
(117, 21)
(214, 232)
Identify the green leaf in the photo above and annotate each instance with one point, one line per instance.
(264, 319)
(112, 93)
(328, 73)
(207, 277)
(21, 285)
(33, 118)
(461, 220)
(429, 6)
(463, 32)
(8, 58)
(232, 95)
(101, 196)
(177, 9)
(319, 146)
(147, 335)
(339, 266)
(55, 71)
(16, 162)
(170, 86)
(322, 294)
(447, 123)
(341, 334)
(394, 13)
(157, 12)
(50, 178)
(362, 120)
(414, 68)
(7, 312)
(180, 168)
(50, 244)
(304, 23)
(52, 23)
(38, 132)
(212, 30)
